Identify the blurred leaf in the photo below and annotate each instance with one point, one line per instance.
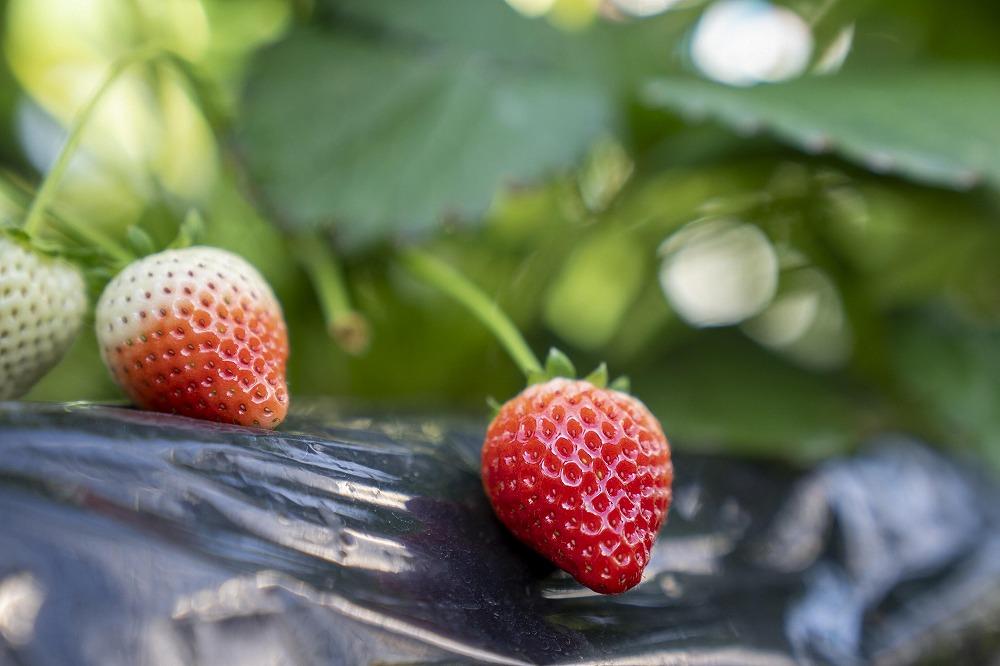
(607, 169)
(9, 93)
(414, 132)
(722, 392)
(954, 32)
(600, 279)
(233, 224)
(951, 372)
(190, 230)
(909, 242)
(932, 124)
(140, 241)
(399, 116)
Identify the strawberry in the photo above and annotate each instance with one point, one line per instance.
(582, 474)
(196, 332)
(578, 470)
(42, 303)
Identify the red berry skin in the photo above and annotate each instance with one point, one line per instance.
(196, 332)
(582, 475)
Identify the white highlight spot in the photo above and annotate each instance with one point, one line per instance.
(743, 42)
(805, 321)
(719, 272)
(836, 53)
(532, 7)
(21, 598)
(644, 7)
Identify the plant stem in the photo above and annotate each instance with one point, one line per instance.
(345, 324)
(36, 213)
(445, 278)
(96, 238)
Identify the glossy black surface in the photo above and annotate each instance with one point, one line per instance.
(130, 538)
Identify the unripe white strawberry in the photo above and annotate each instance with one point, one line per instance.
(42, 303)
(196, 332)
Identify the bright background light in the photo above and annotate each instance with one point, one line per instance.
(718, 272)
(743, 42)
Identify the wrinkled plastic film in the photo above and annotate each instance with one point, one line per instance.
(128, 537)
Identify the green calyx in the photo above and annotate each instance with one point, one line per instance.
(189, 232)
(14, 233)
(557, 364)
(61, 244)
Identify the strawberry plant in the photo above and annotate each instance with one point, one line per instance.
(805, 271)
(43, 295)
(578, 470)
(191, 330)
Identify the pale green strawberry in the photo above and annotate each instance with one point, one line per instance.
(42, 305)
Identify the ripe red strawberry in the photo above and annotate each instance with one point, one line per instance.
(196, 332)
(581, 474)
(42, 303)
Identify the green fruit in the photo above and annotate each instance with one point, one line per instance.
(42, 304)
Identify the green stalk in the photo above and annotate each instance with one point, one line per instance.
(98, 239)
(437, 273)
(345, 324)
(36, 213)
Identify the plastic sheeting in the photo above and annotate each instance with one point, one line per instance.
(135, 538)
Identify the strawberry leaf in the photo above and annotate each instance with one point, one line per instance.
(929, 124)
(140, 241)
(623, 384)
(14, 232)
(558, 365)
(191, 229)
(474, 94)
(539, 377)
(599, 377)
(100, 274)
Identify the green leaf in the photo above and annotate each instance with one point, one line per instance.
(599, 377)
(605, 173)
(140, 241)
(100, 274)
(558, 365)
(538, 378)
(723, 393)
(191, 229)
(623, 384)
(405, 114)
(587, 301)
(949, 370)
(934, 124)
(14, 232)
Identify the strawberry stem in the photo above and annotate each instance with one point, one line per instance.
(98, 239)
(36, 213)
(346, 326)
(448, 280)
